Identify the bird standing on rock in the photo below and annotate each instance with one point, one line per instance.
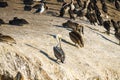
(76, 38)
(58, 51)
(41, 8)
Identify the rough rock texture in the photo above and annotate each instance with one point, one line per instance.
(12, 61)
(33, 55)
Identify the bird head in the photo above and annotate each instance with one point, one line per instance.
(58, 37)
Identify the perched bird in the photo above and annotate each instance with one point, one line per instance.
(27, 8)
(1, 22)
(60, 0)
(7, 39)
(117, 4)
(76, 38)
(58, 51)
(107, 26)
(104, 8)
(18, 22)
(115, 25)
(100, 20)
(3, 4)
(28, 2)
(118, 22)
(67, 7)
(79, 2)
(41, 8)
(117, 35)
(64, 8)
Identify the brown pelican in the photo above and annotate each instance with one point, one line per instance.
(76, 38)
(7, 39)
(58, 51)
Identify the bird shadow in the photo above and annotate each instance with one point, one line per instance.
(51, 13)
(53, 9)
(59, 26)
(63, 27)
(97, 30)
(44, 53)
(106, 38)
(63, 40)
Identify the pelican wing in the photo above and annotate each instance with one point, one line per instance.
(74, 37)
(59, 53)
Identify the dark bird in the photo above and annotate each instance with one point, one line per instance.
(104, 8)
(79, 3)
(1, 22)
(67, 7)
(28, 2)
(18, 22)
(3, 4)
(91, 17)
(94, 1)
(41, 8)
(100, 20)
(7, 39)
(118, 22)
(111, 1)
(102, 1)
(76, 38)
(81, 12)
(64, 8)
(107, 26)
(27, 8)
(117, 5)
(115, 25)
(60, 0)
(97, 11)
(58, 51)
(74, 26)
(71, 14)
(117, 35)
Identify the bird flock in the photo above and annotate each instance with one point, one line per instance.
(87, 8)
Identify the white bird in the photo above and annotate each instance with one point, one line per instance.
(58, 51)
(41, 8)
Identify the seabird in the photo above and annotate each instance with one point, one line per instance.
(58, 51)
(41, 8)
(76, 38)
